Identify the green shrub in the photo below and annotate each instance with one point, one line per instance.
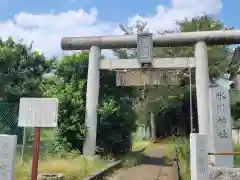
(116, 124)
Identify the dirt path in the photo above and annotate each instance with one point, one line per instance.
(152, 167)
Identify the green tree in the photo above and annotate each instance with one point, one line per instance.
(22, 70)
(21, 73)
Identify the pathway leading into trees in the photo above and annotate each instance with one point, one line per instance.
(152, 167)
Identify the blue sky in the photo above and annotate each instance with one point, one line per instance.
(108, 10)
(229, 13)
(35, 20)
(115, 10)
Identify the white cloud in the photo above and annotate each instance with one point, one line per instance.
(47, 29)
(165, 17)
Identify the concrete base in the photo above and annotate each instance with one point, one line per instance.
(217, 173)
(50, 176)
(90, 158)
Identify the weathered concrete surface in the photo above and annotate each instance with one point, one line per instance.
(216, 173)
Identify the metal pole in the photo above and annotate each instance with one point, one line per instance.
(202, 87)
(92, 100)
(190, 97)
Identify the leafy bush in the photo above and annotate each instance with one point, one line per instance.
(116, 124)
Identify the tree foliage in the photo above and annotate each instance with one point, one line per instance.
(21, 70)
(21, 73)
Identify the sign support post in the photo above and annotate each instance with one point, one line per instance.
(35, 153)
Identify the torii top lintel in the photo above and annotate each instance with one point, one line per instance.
(224, 37)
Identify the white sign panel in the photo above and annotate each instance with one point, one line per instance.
(221, 126)
(199, 156)
(7, 152)
(38, 112)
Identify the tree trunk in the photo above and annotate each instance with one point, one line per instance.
(153, 126)
(238, 136)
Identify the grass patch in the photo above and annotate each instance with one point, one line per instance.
(139, 144)
(72, 165)
(237, 157)
(179, 147)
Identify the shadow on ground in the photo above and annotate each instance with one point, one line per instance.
(154, 161)
(140, 158)
(144, 165)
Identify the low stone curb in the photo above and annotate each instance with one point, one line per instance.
(103, 172)
(176, 169)
(110, 168)
(50, 176)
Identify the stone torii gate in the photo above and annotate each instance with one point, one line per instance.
(199, 40)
